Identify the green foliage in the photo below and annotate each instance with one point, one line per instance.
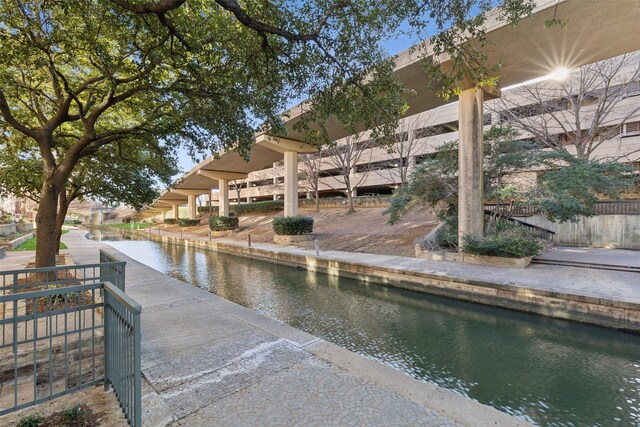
(127, 225)
(504, 240)
(434, 183)
(186, 222)
(205, 209)
(571, 187)
(292, 225)
(6, 219)
(266, 207)
(72, 414)
(447, 235)
(30, 421)
(170, 221)
(223, 223)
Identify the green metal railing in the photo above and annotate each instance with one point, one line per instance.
(61, 333)
(112, 270)
(122, 351)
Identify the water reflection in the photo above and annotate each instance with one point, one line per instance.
(547, 371)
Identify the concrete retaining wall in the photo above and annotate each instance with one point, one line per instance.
(596, 311)
(615, 231)
(7, 228)
(17, 242)
(24, 227)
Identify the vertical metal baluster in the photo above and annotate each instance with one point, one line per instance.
(80, 315)
(35, 351)
(50, 345)
(106, 340)
(93, 335)
(66, 367)
(15, 342)
(137, 385)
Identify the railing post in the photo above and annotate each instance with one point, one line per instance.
(137, 387)
(106, 343)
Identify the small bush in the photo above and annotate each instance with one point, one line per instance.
(508, 243)
(295, 225)
(223, 223)
(170, 221)
(269, 206)
(30, 421)
(205, 209)
(447, 236)
(185, 222)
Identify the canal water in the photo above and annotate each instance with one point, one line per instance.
(549, 372)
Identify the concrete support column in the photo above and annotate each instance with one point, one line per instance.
(470, 153)
(223, 197)
(191, 202)
(176, 209)
(290, 183)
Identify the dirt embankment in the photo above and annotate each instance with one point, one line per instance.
(366, 230)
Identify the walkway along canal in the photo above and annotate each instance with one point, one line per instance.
(546, 371)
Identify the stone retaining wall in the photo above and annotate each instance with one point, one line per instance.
(596, 311)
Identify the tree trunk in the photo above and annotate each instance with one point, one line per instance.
(317, 197)
(47, 229)
(62, 214)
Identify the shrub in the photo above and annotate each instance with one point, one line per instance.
(268, 206)
(30, 421)
(205, 209)
(508, 240)
(447, 236)
(223, 223)
(288, 225)
(170, 221)
(185, 222)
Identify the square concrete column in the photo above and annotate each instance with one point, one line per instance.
(290, 183)
(176, 209)
(223, 197)
(471, 156)
(191, 201)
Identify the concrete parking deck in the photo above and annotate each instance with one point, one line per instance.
(208, 361)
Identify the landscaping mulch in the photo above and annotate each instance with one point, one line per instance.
(76, 416)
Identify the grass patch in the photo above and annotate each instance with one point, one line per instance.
(127, 226)
(30, 245)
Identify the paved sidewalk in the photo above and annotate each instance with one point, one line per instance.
(208, 361)
(613, 257)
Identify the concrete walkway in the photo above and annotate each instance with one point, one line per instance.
(208, 361)
(612, 257)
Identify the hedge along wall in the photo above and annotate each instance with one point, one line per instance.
(272, 206)
(341, 202)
